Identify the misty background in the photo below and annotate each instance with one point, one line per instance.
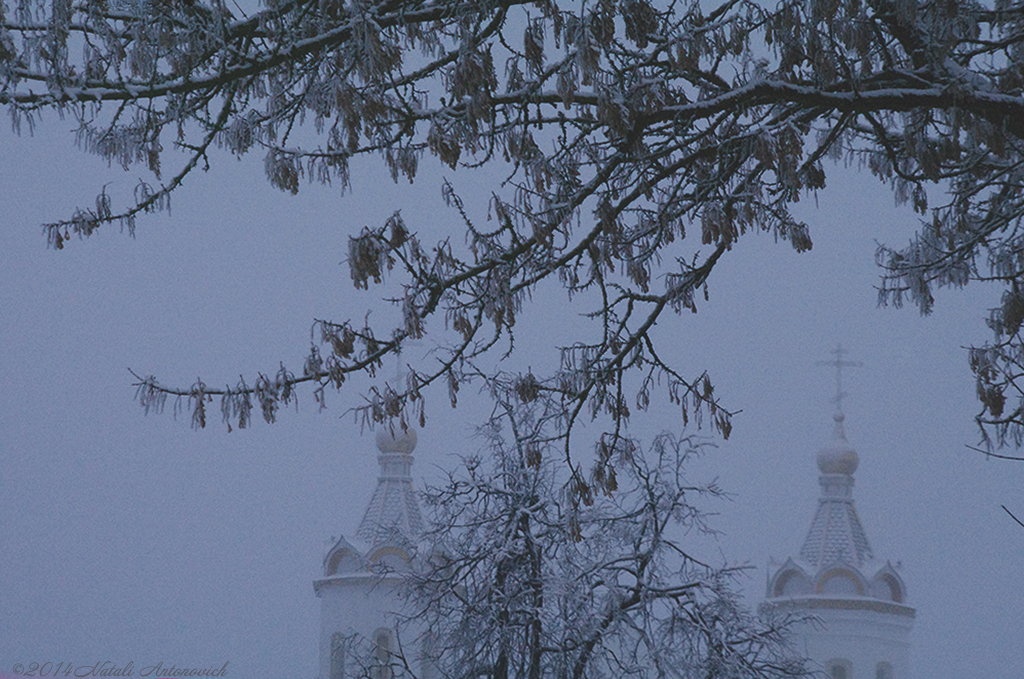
(126, 537)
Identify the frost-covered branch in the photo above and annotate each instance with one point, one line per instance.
(522, 582)
(638, 142)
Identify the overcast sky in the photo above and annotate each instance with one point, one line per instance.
(133, 538)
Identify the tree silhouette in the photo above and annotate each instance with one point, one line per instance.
(638, 142)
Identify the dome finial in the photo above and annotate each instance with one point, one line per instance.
(398, 437)
(840, 457)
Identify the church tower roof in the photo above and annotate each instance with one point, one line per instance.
(836, 535)
(393, 513)
(835, 561)
(392, 525)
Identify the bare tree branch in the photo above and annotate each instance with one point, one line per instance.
(638, 142)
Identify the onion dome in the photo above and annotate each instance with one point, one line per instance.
(390, 440)
(840, 457)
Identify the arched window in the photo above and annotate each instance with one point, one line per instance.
(894, 591)
(342, 561)
(837, 668)
(383, 650)
(337, 656)
(793, 583)
(428, 656)
(883, 671)
(840, 582)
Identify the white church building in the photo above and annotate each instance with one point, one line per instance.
(860, 621)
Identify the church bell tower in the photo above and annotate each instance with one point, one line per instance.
(361, 587)
(859, 622)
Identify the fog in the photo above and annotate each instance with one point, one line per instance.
(126, 537)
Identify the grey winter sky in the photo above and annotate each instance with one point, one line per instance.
(133, 538)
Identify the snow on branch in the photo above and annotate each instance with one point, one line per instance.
(638, 142)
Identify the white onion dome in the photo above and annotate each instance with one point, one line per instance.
(840, 457)
(394, 440)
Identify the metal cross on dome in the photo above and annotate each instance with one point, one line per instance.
(838, 363)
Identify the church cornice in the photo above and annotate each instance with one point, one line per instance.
(356, 579)
(827, 603)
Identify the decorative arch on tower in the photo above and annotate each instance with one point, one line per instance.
(390, 556)
(342, 558)
(790, 580)
(888, 585)
(840, 580)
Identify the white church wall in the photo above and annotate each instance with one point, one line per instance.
(874, 645)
